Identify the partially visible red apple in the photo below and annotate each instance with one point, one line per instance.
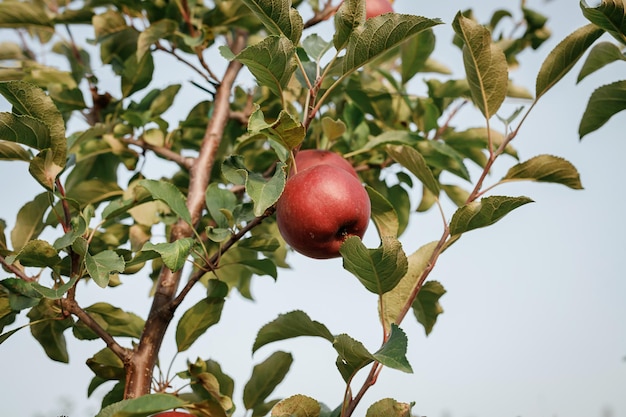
(320, 207)
(310, 157)
(377, 7)
(172, 414)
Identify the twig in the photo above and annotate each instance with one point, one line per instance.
(185, 162)
(72, 306)
(229, 243)
(321, 15)
(15, 270)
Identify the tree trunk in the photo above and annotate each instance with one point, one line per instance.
(140, 366)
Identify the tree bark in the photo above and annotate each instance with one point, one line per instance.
(140, 365)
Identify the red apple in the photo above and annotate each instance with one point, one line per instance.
(320, 207)
(310, 157)
(172, 414)
(377, 7)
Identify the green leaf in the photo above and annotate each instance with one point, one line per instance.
(170, 195)
(43, 168)
(412, 160)
(77, 230)
(278, 17)
(393, 353)
(201, 316)
(599, 56)
(93, 191)
(415, 53)
(380, 269)
(20, 15)
(609, 15)
(264, 193)
(384, 214)
(24, 129)
(219, 200)
(484, 212)
(101, 265)
(137, 73)
(395, 300)
(265, 377)
(297, 406)
(174, 254)
(143, 406)
(156, 31)
(426, 307)
(107, 365)
(389, 137)
(485, 65)
(164, 100)
(546, 168)
(10, 151)
(261, 243)
(260, 267)
(388, 407)
(470, 142)
(207, 386)
(4, 336)
(227, 385)
(37, 253)
(400, 200)
(352, 356)
(264, 409)
(29, 222)
(349, 16)
(289, 325)
(114, 320)
(315, 46)
(58, 291)
(381, 34)
(333, 129)
(563, 57)
(271, 61)
(20, 295)
(286, 129)
(30, 100)
(47, 326)
(441, 155)
(457, 194)
(604, 102)
(74, 16)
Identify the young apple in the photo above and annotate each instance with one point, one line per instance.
(377, 7)
(320, 207)
(310, 157)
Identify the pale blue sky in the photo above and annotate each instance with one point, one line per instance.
(534, 314)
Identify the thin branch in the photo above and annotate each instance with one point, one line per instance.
(15, 270)
(184, 61)
(369, 382)
(72, 306)
(445, 125)
(185, 162)
(323, 14)
(214, 259)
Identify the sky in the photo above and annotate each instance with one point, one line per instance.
(534, 310)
